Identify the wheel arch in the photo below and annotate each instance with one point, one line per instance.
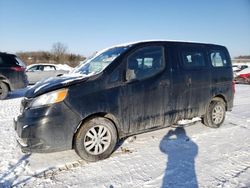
(106, 115)
(220, 96)
(207, 117)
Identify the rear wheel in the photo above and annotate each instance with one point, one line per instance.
(4, 90)
(96, 139)
(215, 113)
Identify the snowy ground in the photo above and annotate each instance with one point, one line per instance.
(195, 156)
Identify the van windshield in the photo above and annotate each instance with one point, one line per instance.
(99, 62)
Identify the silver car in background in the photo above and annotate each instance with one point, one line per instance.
(37, 72)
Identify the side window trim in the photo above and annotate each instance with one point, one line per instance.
(162, 68)
(191, 49)
(222, 52)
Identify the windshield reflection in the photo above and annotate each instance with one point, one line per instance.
(99, 61)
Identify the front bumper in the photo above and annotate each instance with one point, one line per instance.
(46, 129)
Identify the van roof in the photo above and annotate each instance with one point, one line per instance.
(160, 40)
(149, 41)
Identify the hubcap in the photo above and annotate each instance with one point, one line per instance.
(97, 140)
(217, 114)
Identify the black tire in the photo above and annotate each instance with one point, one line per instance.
(215, 113)
(85, 135)
(4, 90)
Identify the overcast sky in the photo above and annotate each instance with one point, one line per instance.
(88, 26)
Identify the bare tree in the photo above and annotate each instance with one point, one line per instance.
(59, 50)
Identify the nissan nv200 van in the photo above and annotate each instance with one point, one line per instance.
(126, 90)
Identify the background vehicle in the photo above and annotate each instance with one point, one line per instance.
(126, 90)
(236, 68)
(37, 72)
(243, 76)
(12, 74)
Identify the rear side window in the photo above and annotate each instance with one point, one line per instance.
(218, 59)
(193, 59)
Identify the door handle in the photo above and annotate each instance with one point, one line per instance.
(164, 83)
(189, 81)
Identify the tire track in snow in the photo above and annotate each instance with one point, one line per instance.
(229, 162)
(234, 169)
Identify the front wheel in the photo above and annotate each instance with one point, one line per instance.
(215, 113)
(96, 139)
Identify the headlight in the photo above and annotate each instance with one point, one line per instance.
(50, 98)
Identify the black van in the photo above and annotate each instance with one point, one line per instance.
(126, 90)
(12, 74)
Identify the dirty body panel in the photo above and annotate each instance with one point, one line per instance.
(47, 128)
(178, 82)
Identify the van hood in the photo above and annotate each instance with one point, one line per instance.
(54, 83)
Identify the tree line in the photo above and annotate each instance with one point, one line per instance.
(58, 55)
(243, 57)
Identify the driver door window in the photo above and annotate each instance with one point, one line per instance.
(145, 62)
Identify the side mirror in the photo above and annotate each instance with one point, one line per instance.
(130, 75)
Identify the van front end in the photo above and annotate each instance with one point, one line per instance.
(45, 128)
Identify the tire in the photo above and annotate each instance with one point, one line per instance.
(4, 90)
(96, 139)
(215, 113)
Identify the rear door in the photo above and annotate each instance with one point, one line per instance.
(221, 73)
(194, 76)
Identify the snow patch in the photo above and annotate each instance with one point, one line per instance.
(64, 67)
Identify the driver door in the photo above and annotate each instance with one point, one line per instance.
(145, 95)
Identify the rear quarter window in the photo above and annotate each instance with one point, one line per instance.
(219, 59)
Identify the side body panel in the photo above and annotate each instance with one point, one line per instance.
(136, 105)
(222, 77)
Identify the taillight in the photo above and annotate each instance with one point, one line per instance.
(244, 75)
(18, 69)
(233, 87)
